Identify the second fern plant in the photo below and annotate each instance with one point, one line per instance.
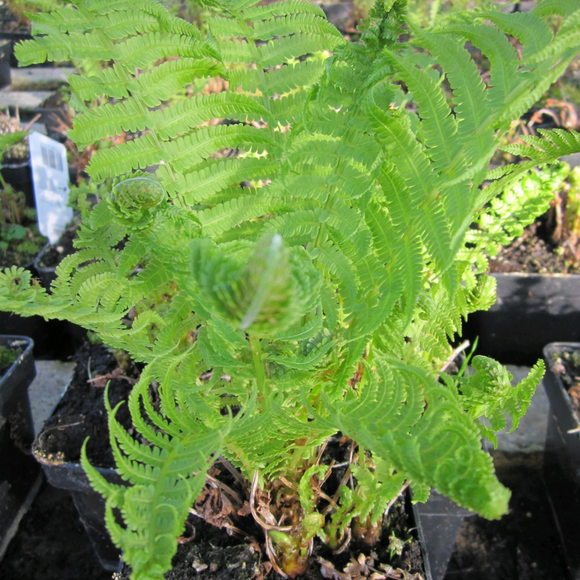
(302, 268)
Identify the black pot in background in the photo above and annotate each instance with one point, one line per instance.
(89, 503)
(33, 326)
(438, 522)
(20, 475)
(19, 176)
(5, 76)
(531, 310)
(562, 458)
(50, 117)
(14, 38)
(47, 274)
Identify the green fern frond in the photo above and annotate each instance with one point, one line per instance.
(528, 28)
(145, 49)
(125, 157)
(179, 117)
(303, 258)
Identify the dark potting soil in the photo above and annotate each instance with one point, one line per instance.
(51, 543)
(524, 544)
(8, 354)
(10, 22)
(533, 252)
(212, 554)
(566, 364)
(54, 254)
(81, 412)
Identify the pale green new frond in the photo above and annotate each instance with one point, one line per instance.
(62, 48)
(181, 116)
(528, 28)
(145, 49)
(293, 23)
(257, 13)
(111, 81)
(125, 157)
(439, 460)
(108, 120)
(200, 186)
(562, 7)
(188, 151)
(158, 85)
(472, 106)
(480, 392)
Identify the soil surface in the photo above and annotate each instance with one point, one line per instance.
(51, 543)
(524, 544)
(8, 354)
(533, 252)
(521, 546)
(81, 412)
(566, 365)
(214, 555)
(53, 255)
(10, 22)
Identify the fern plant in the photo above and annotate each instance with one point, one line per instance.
(298, 257)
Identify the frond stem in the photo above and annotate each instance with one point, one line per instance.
(256, 348)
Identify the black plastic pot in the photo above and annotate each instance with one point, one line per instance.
(50, 117)
(20, 475)
(531, 310)
(47, 274)
(438, 522)
(14, 38)
(34, 327)
(5, 76)
(53, 339)
(562, 458)
(89, 503)
(19, 176)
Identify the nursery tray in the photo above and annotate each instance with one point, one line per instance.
(562, 458)
(20, 476)
(531, 310)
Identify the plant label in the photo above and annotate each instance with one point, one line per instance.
(51, 185)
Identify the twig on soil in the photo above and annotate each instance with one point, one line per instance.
(231, 527)
(232, 470)
(258, 519)
(454, 354)
(345, 544)
(225, 488)
(392, 502)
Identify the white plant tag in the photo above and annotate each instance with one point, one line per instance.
(51, 185)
